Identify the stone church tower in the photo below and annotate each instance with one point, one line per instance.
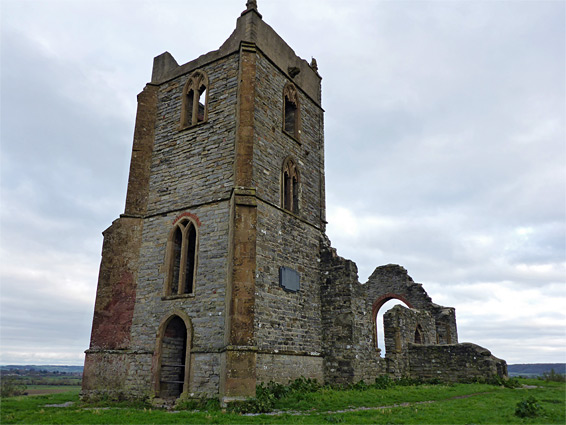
(219, 274)
(209, 280)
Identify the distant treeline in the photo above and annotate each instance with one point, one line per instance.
(20, 376)
(44, 368)
(535, 369)
(528, 369)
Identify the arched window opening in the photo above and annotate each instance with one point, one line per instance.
(182, 258)
(291, 111)
(190, 265)
(295, 194)
(290, 116)
(195, 98)
(176, 263)
(290, 189)
(173, 359)
(201, 104)
(189, 107)
(419, 336)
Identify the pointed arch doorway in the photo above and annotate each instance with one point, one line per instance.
(173, 356)
(379, 307)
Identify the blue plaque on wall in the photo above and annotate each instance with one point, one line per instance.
(289, 279)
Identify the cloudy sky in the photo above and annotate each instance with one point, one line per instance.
(445, 152)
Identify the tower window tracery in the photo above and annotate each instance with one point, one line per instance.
(290, 186)
(195, 100)
(291, 111)
(182, 258)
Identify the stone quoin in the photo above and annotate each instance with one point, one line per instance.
(219, 274)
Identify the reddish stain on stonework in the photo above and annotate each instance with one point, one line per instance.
(190, 215)
(111, 326)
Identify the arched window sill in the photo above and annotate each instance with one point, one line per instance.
(294, 214)
(177, 296)
(188, 127)
(292, 137)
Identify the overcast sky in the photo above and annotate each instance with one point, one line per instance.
(445, 152)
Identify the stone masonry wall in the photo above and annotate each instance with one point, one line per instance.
(287, 328)
(105, 373)
(287, 321)
(338, 276)
(455, 362)
(191, 173)
(194, 165)
(114, 307)
(393, 282)
(116, 289)
(400, 325)
(273, 146)
(285, 368)
(206, 308)
(368, 365)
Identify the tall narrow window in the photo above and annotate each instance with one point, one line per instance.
(291, 111)
(419, 337)
(181, 257)
(195, 97)
(290, 186)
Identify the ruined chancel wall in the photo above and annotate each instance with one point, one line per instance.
(420, 341)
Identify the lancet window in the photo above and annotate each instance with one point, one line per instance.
(182, 258)
(291, 111)
(290, 186)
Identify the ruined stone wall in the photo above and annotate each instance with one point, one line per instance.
(337, 277)
(446, 330)
(368, 365)
(400, 327)
(287, 325)
(454, 362)
(392, 279)
(393, 282)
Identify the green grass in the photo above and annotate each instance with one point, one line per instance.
(457, 404)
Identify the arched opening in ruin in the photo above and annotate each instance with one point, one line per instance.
(419, 335)
(380, 307)
(173, 353)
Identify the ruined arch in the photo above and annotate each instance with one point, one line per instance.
(173, 355)
(376, 306)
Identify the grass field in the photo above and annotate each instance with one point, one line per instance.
(51, 389)
(415, 404)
